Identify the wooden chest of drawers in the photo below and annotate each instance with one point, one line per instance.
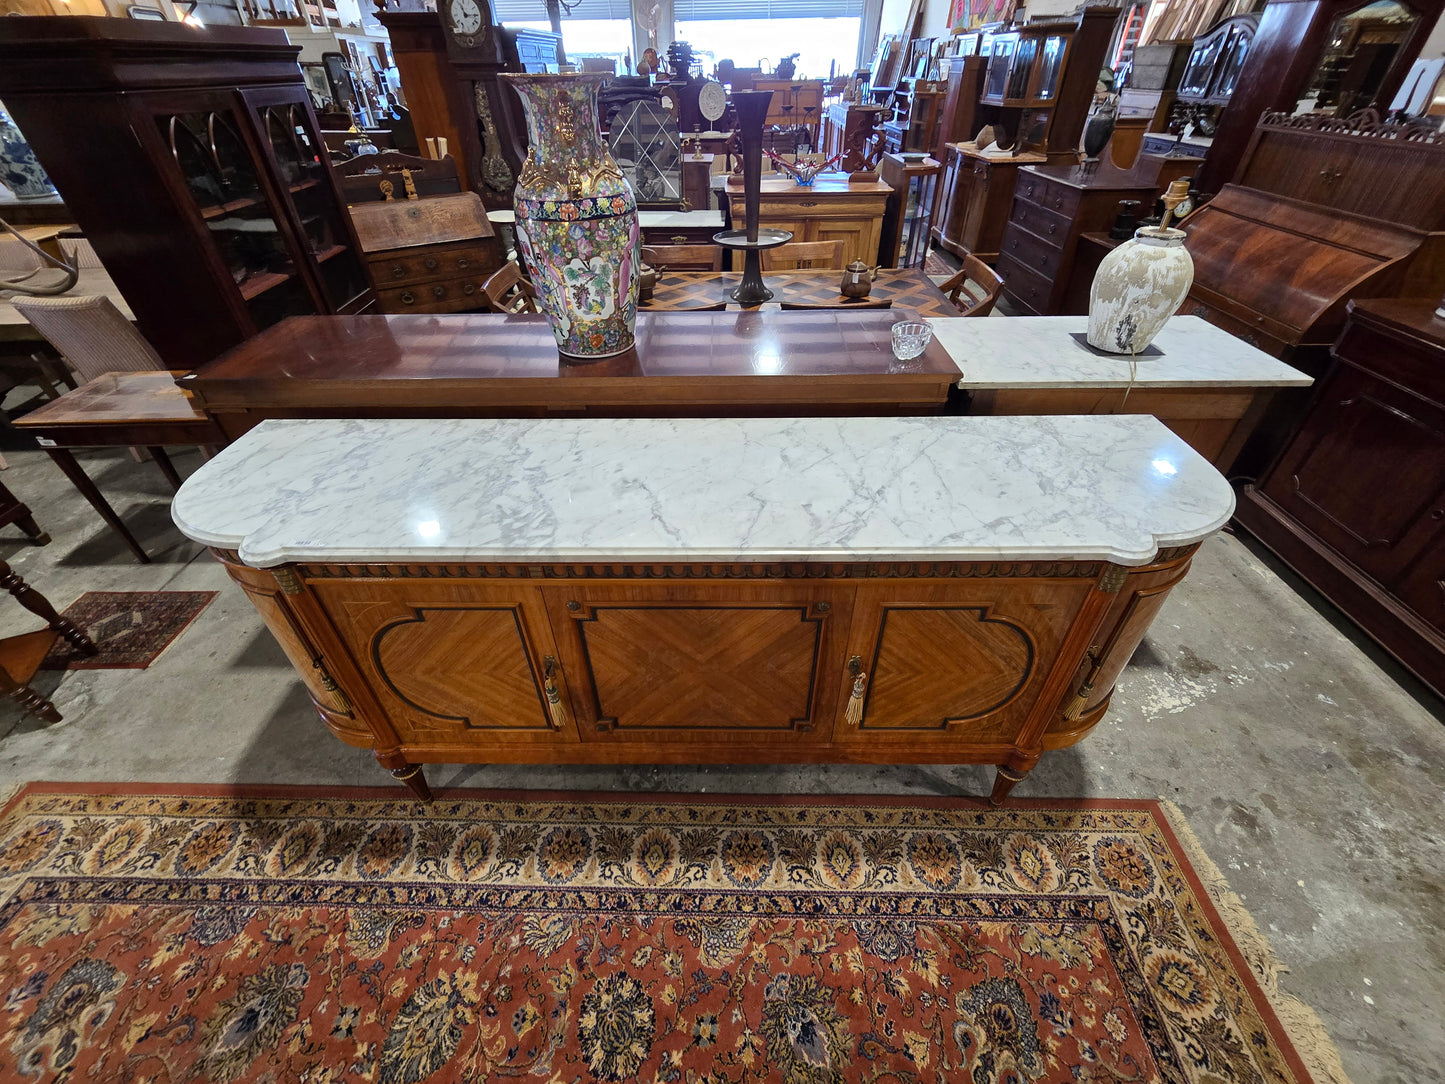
(428, 255)
(436, 278)
(1052, 207)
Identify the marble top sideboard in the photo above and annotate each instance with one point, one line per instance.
(1040, 352)
(1116, 488)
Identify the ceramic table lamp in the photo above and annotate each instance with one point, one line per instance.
(1137, 288)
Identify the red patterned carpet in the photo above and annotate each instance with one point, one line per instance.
(131, 628)
(308, 935)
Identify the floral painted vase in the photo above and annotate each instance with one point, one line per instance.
(20, 170)
(576, 218)
(1137, 288)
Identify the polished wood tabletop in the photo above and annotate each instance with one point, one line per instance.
(118, 399)
(492, 365)
(906, 288)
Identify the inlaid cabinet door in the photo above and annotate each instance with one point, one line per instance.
(958, 662)
(453, 661)
(701, 662)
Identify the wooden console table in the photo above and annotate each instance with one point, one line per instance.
(874, 590)
(836, 361)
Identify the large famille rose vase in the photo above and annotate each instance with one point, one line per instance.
(576, 218)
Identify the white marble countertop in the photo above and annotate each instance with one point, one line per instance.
(1039, 352)
(645, 219)
(1101, 487)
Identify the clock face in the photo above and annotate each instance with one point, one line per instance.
(466, 16)
(712, 100)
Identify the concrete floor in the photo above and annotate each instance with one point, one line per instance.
(1310, 766)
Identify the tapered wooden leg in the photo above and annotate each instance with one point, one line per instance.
(167, 467)
(36, 704)
(408, 773)
(1004, 782)
(30, 527)
(66, 462)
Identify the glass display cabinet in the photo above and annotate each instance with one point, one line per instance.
(192, 162)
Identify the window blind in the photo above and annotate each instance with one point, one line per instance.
(535, 11)
(685, 11)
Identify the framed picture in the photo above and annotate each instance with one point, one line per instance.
(316, 79)
(140, 11)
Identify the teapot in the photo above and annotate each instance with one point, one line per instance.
(857, 279)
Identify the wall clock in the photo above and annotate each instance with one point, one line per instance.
(712, 100)
(467, 22)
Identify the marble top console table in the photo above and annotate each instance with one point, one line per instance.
(764, 590)
(1204, 383)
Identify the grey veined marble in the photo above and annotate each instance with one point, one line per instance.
(1110, 487)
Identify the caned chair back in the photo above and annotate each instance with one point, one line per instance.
(683, 257)
(92, 334)
(507, 290)
(805, 256)
(975, 288)
(16, 255)
(80, 254)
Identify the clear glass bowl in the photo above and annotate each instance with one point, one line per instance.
(910, 340)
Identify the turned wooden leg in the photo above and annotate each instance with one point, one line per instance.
(36, 704)
(1004, 782)
(40, 606)
(408, 773)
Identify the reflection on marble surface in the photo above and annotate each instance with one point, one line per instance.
(1107, 487)
(1039, 352)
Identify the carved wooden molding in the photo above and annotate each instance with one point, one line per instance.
(1366, 124)
(793, 570)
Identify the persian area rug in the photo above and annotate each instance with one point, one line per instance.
(131, 628)
(205, 934)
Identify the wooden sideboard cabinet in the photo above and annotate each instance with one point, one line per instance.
(1053, 206)
(830, 209)
(1356, 500)
(975, 662)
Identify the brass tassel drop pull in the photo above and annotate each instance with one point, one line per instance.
(555, 707)
(1075, 707)
(853, 713)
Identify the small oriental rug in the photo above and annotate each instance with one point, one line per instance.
(131, 628)
(213, 934)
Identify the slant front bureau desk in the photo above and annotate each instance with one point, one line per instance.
(747, 590)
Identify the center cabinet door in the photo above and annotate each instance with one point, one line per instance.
(694, 662)
(452, 662)
(955, 663)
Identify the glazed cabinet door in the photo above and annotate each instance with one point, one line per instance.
(453, 662)
(725, 664)
(952, 663)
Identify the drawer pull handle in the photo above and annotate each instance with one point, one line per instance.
(407, 298)
(678, 239)
(1053, 227)
(439, 292)
(853, 713)
(469, 289)
(555, 707)
(430, 263)
(462, 264)
(807, 203)
(398, 271)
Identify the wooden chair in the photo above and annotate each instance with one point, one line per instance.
(21, 656)
(507, 290)
(805, 255)
(90, 333)
(363, 177)
(683, 257)
(979, 284)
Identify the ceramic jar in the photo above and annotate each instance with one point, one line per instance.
(20, 170)
(1137, 288)
(576, 218)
